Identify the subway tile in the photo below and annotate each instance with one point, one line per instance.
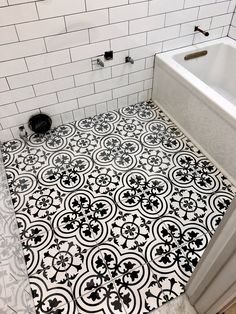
(88, 51)
(213, 9)
(163, 34)
(101, 108)
(147, 23)
(92, 76)
(225, 31)
(6, 135)
(101, 4)
(231, 7)
(232, 29)
(122, 102)
(29, 78)
(128, 90)
(18, 14)
(142, 96)
(56, 120)
(112, 105)
(53, 8)
(128, 12)
(17, 119)
(164, 6)
(232, 32)
(75, 92)
(3, 3)
(95, 99)
(132, 99)
(48, 60)
(8, 110)
(109, 31)
(90, 111)
(148, 84)
(67, 40)
(126, 68)
(11, 2)
(150, 62)
(12, 67)
(196, 3)
(86, 20)
(8, 35)
(79, 114)
(128, 42)
(67, 117)
(140, 76)
(234, 20)
(16, 95)
(111, 83)
(54, 86)
(61, 107)
(181, 16)
(3, 85)
(71, 68)
(36, 102)
(41, 28)
(145, 51)
(22, 49)
(221, 20)
(178, 42)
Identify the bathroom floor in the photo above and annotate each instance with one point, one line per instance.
(114, 211)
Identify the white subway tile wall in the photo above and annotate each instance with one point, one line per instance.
(48, 52)
(232, 29)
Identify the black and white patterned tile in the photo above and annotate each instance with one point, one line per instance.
(103, 180)
(146, 192)
(51, 298)
(102, 124)
(125, 293)
(135, 288)
(190, 169)
(65, 170)
(120, 153)
(114, 211)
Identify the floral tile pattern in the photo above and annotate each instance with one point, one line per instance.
(114, 211)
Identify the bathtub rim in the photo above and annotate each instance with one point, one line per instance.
(213, 99)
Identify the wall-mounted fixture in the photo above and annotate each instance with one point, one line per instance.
(197, 29)
(108, 55)
(100, 62)
(129, 60)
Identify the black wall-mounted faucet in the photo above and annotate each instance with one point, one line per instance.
(129, 60)
(197, 29)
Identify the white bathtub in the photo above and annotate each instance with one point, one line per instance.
(200, 95)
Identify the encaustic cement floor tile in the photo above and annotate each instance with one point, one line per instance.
(102, 300)
(135, 290)
(114, 211)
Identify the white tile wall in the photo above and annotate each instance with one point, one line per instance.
(48, 49)
(232, 29)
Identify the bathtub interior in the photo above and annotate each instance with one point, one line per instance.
(114, 211)
(217, 69)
